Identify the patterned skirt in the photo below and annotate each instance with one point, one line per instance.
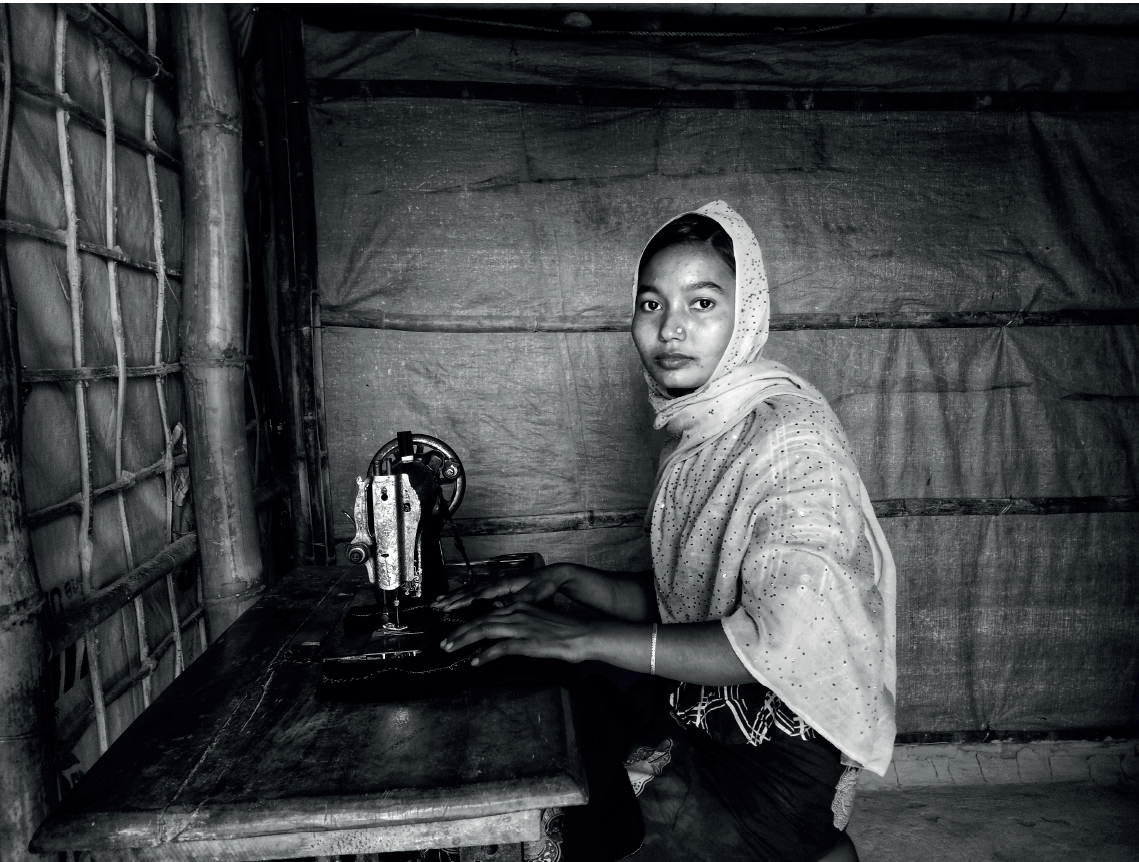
(707, 795)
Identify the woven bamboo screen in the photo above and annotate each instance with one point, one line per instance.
(93, 223)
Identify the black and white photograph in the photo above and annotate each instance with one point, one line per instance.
(551, 432)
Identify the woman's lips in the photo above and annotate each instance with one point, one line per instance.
(672, 361)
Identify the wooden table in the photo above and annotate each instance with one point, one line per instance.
(236, 760)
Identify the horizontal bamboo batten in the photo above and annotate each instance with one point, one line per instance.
(105, 372)
(140, 673)
(914, 507)
(894, 508)
(59, 237)
(989, 101)
(63, 102)
(66, 628)
(548, 523)
(920, 507)
(92, 19)
(732, 20)
(74, 504)
(380, 319)
(69, 737)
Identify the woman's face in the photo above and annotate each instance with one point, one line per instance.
(686, 310)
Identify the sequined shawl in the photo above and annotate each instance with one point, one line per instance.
(760, 519)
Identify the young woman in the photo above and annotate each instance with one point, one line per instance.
(771, 599)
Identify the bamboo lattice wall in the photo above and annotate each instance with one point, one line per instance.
(92, 224)
(108, 632)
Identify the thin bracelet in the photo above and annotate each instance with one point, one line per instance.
(653, 653)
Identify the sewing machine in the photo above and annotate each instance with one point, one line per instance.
(413, 485)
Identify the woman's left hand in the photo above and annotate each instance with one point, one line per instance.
(522, 629)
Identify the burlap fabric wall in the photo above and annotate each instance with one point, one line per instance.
(508, 207)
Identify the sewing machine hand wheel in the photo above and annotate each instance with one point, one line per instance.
(434, 454)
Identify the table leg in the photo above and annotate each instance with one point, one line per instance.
(548, 848)
(491, 853)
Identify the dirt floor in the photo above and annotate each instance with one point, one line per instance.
(1010, 823)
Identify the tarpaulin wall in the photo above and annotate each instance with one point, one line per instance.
(481, 203)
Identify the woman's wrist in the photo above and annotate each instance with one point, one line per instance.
(688, 652)
(584, 585)
(622, 644)
(562, 574)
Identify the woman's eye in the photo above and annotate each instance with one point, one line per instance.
(649, 305)
(705, 304)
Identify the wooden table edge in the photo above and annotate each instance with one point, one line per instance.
(140, 829)
(509, 828)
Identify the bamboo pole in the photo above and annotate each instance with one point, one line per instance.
(159, 239)
(310, 370)
(61, 100)
(62, 630)
(110, 224)
(75, 292)
(325, 90)
(258, 428)
(59, 237)
(368, 318)
(94, 21)
(212, 357)
(254, 424)
(913, 507)
(25, 717)
(307, 539)
(26, 781)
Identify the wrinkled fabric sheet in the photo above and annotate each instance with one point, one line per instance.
(496, 209)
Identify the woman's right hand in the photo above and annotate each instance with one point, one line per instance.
(533, 587)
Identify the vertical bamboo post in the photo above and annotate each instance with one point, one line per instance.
(212, 354)
(279, 191)
(25, 717)
(159, 239)
(75, 294)
(110, 224)
(294, 240)
(308, 306)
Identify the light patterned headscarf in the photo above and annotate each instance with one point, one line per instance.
(759, 519)
(742, 378)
